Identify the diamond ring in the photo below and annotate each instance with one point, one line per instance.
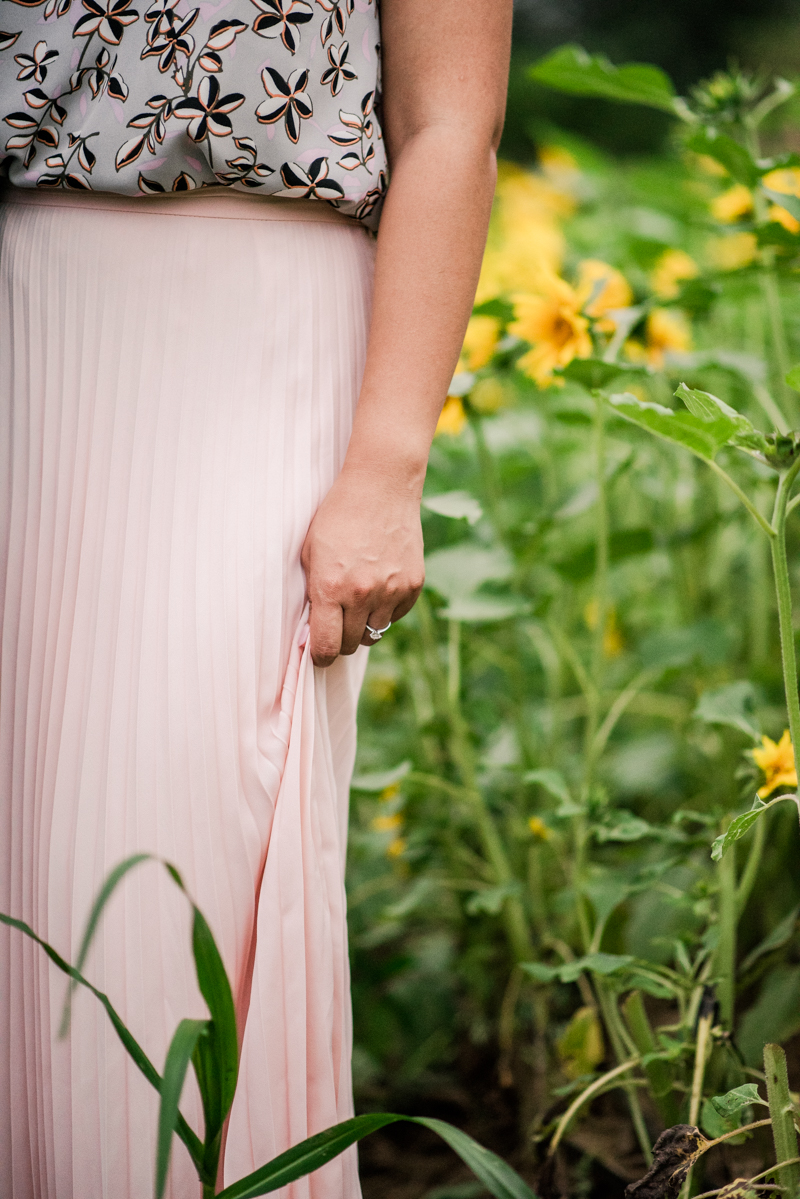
(376, 634)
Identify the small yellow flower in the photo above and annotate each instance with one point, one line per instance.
(710, 165)
(389, 792)
(776, 759)
(733, 252)
(672, 268)
(667, 330)
(452, 418)
(787, 181)
(539, 829)
(396, 848)
(480, 340)
(613, 643)
(733, 204)
(386, 824)
(601, 288)
(555, 160)
(551, 321)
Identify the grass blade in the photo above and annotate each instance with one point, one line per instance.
(132, 1046)
(223, 1044)
(113, 878)
(499, 1179)
(496, 1175)
(176, 1064)
(309, 1155)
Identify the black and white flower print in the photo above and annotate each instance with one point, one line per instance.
(34, 65)
(144, 97)
(338, 72)
(312, 183)
(287, 100)
(108, 20)
(207, 112)
(336, 21)
(359, 129)
(283, 19)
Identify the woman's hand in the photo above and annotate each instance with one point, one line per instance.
(363, 559)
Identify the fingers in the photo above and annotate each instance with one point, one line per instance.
(325, 622)
(378, 618)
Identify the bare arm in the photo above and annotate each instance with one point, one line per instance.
(444, 73)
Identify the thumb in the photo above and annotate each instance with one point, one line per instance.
(325, 624)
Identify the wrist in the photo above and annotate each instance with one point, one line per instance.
(398, 475)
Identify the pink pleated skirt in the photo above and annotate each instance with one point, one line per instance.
(177, 384)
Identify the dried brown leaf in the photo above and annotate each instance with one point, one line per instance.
(674, 1153)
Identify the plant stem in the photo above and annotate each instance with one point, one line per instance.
(701, 1053)
(740, 495)
(781, 1111)
(462, 757)
(659, 1073)
(725, 956)
(618, 1035)
(601, 561)
(780, 567)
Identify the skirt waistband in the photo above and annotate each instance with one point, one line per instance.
(213, 202)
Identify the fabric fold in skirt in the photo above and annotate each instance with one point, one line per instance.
(177, 387)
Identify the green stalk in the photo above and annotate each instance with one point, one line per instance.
(781, 1111)
(780, 567)
(659, 1074)
(462, 757)
(618, 1035)
(700, 1056)
(601, 561)
(750, 872)
(725, 955)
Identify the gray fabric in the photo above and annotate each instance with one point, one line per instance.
(274, 96)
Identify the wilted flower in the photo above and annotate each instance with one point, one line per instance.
(452, 417)
(672, 268)
(776, 759)
(732, 204)
(553, 324)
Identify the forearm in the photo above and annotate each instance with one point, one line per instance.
(430, 245)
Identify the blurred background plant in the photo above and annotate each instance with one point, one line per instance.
(590, 688)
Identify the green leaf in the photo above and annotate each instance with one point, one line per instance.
(703, 438)
(477, 609)
(553, 782)
(131, 1045)
(732, 705)
(737, 161)
(595, 963)
(592, 373)
(780, 935)
(110, 883)
(790, 203)
(793, 378)
(499, 1179)
(458, 570)
(217, 1059)
(381, 779)
(176, 1064)
(491, 899)
(624, 827)
(571, 69)
(736, 830)
(775, 1015)
(459, 505)
(711, 409)
(733, 1101)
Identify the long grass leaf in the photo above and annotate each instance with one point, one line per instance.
(110, 883)
(176, 1064)
(499, 1178)
(138, 1055)
(222, 1043)
(496, 1175)
(309, 1155)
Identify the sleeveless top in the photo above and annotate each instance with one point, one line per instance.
(276, 97)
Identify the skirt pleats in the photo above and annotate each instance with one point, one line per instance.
(176, 397)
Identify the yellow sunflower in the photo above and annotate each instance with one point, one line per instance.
(776, 759)
(552, 322)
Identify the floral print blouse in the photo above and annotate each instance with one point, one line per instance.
(141, 98)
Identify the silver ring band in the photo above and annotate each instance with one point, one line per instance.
(376, 634)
